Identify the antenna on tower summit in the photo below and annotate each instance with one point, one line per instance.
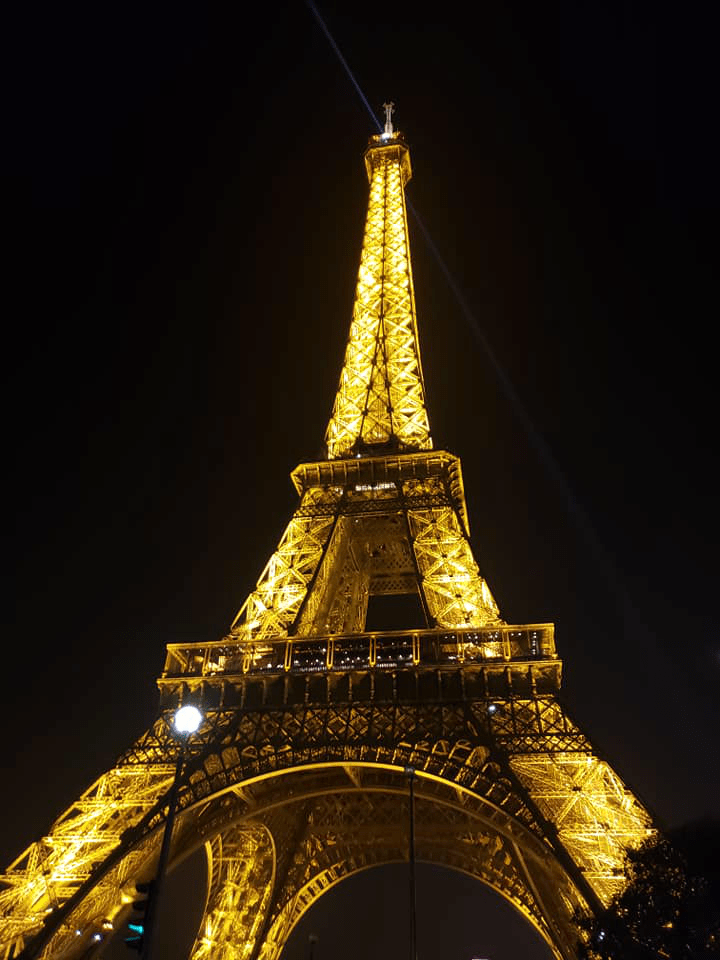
(389, 110)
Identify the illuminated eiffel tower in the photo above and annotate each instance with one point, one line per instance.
(299, 775)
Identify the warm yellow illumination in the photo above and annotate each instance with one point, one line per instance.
(296, 780)
(381, 397)
(596, 815)
(241, 865)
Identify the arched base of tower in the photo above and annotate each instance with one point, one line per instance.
(368, 915)
(330, 821)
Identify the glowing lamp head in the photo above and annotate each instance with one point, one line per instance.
(187, 719)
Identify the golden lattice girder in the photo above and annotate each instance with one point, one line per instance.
(297, 779)
(241, 864)
(456, 594)
(53, 869)
(272, 607)
(381, 396)
(347, 540)
(596, 816)
(351, 831)
(329, 822)
(451, 747)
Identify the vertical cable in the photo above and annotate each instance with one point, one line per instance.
(410, 771)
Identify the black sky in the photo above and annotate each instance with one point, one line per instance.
(185, 195)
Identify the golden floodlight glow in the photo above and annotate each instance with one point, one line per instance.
(381, 396)
(296, 781)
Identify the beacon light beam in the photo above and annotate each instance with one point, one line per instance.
(544, 452)
(343, 61)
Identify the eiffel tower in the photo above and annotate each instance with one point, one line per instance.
(313, 725)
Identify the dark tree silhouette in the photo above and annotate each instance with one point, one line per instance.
(671, 905)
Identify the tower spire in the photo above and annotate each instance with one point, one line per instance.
(389, 109)
(380, 402)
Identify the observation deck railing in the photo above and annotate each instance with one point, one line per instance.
(378, 650)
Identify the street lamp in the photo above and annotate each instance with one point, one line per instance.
(185, 722)
(410, 771)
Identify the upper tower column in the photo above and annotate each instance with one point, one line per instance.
(380, 403)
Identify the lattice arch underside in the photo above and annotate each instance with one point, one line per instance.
(229, 767)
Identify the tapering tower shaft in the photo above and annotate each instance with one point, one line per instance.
(380, 401)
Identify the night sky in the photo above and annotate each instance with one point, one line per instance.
(185, 199)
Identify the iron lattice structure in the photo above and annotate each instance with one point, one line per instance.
(297, 779)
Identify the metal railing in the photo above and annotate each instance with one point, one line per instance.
(377, 650)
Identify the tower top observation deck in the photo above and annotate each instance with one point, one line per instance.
(388, 146)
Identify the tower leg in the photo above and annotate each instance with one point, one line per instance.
(241, 864)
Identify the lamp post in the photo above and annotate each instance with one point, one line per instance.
(186, 721)
(410, 771)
